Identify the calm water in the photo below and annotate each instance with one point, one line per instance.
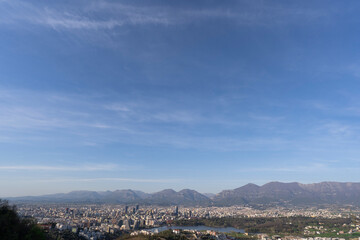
(198, 228)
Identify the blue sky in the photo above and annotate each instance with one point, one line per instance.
(207, 95)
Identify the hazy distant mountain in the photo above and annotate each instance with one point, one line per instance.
(74, 196)
(277, 193)
(166, 197)
(122, 196)
(183, 197)
(209, 195)
(270, 194)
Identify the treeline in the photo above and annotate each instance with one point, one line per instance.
(170, 235)
(12, 227)
(273, 225)
(167, 234)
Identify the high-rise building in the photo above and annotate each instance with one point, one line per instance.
(120, 223)
(127, 224)
(136, 224)
(176, 210)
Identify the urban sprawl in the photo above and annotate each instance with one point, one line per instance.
(95, 221)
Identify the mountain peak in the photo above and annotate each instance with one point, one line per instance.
(251, 185)
(167, 191)
(270, 194)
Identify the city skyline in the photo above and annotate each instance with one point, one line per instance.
(150, 95)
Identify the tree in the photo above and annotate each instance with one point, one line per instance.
(12, 227)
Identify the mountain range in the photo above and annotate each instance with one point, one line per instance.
(270, 194)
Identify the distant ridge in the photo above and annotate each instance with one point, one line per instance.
(270, 194)
(278, 193)
(165, 197)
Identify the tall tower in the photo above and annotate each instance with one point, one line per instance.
(176, 210)
(126, 209)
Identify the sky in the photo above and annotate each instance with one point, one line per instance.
(149, 95)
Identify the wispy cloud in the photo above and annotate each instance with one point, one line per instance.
(85, 167)
(80, 17)
(329, 166)
(32, 116)
(115, 14)
(92, 121)
(289, 169)
(266, 118)
(136, 180)
(339, 129)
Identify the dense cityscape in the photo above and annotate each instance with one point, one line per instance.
(100, 221)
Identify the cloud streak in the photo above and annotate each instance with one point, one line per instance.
(84, 168)
(78, 16)
(289, 169)
(135, 180)
(28, 116)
